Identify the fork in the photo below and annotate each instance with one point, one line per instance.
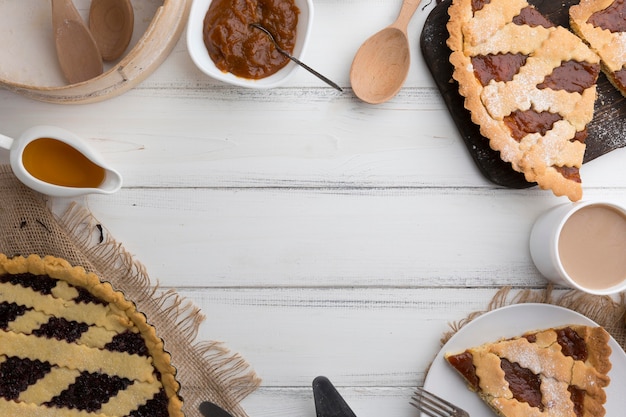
(434, 406)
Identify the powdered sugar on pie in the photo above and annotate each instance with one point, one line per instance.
(72, 346)
(528, 84)
(552, 372)
(602, 24)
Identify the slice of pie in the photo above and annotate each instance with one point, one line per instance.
(72, 346)
(528, 84)
(602, 24)
(554, 372)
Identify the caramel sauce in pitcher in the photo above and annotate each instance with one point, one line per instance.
(56, 162)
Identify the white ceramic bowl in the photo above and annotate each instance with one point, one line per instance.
(200, 55)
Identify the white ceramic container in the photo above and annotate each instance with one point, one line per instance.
(200, 55)
(111, 182)
(544, 248)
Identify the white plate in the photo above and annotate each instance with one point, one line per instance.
(509, 322)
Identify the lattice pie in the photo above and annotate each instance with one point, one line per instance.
(71, 346)
(560, 372)
(602, 24)
(528, 84)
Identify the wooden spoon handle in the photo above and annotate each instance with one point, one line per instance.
(406, 12)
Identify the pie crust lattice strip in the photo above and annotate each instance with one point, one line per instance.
(557, 372)
(72, 346)
(602, 24)
(528, 84)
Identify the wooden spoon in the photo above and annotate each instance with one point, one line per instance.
(111, 23)
(77, 51)
(381, 64)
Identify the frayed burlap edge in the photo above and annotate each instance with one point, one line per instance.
(606, 311)
(206, 370)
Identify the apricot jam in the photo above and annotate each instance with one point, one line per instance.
(611, 18)
(498, 67)
(523, 383)
(247, 52)
(463, 363)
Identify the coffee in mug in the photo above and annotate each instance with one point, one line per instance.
(582, 245)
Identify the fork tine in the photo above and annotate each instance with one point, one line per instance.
(433, 405)
(426, 409)
(429, 395)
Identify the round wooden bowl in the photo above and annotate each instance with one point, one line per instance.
(147, 54)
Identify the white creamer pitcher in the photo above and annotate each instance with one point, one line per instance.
(58, 163)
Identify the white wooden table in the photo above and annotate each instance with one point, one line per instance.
(318, 234)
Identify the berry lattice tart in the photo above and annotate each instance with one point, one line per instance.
(71, 346)
(602, 24)
(557, 372)
(528, 84)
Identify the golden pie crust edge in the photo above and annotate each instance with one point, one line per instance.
(61, 269)
(523, 157)
(591, 375)
(610, 46)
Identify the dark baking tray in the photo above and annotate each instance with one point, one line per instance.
(607, 131)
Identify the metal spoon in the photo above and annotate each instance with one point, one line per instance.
(76, 48)
(297, 61)
(111, 24)
(382, 63)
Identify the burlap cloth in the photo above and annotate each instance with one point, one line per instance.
(608, 312)
(207, 370)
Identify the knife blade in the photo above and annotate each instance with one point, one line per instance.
(328, 401)
(209, 409)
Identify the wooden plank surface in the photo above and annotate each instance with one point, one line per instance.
(318, 234)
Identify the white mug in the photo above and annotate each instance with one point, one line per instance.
(63, 144)
(553, 261)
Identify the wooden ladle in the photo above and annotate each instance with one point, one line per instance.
(111, 23)
(381, 64)
(77, 51)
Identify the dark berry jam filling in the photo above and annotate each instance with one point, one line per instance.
(9, 312)
(89, 391)
(16, 375)
(129, 342)
(61, 329)
(86, 297)
(40, 283)
(155, 407)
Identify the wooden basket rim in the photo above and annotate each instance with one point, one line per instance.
(150, 51)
